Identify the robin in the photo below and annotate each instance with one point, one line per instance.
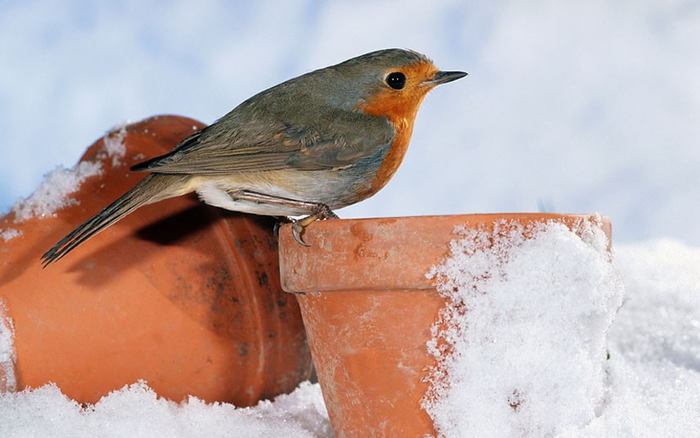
(310, 145)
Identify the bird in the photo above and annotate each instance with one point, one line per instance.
(306, 147)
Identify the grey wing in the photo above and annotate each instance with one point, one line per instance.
(258, 146)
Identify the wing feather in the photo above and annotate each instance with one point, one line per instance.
(264, 145)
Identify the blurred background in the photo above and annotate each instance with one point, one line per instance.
(576, 107)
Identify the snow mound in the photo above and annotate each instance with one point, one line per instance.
(522, 345)
(654, 381)
(136, 411)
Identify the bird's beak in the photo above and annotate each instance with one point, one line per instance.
(443, 77)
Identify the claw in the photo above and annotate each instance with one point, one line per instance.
(280, 221)
(299, 227)
(298, 232)
(321, 212)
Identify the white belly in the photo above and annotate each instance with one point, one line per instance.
(215, 190)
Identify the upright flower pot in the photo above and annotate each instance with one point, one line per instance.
(368, 308)
(179, 294)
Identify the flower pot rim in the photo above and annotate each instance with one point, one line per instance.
(470, 217)
(363, 254)
(491, 214)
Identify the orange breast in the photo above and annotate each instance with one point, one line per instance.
(394, 155)
(400, 107)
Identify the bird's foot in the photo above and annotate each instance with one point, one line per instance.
(320, 212)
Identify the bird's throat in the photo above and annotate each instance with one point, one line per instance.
(395, 153)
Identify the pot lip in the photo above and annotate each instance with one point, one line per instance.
(392, 254)
(473, 215)
(487, 217)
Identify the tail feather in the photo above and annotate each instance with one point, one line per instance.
(153, 188)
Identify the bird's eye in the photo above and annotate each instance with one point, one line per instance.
(396, 80)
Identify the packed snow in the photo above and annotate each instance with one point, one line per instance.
(524, 351)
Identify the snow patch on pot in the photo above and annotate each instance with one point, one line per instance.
(8, 381)
(8, 234)
(521, 345)
(52, 193)
(114, 145)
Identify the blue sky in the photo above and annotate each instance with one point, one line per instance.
(568, 106)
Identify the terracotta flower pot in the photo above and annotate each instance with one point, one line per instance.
(368, 308)
(179, 294)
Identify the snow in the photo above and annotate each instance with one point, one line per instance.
(532, 357)
(114, 144)
(8, 379)
(654, 383)
(523, 352)
(9, 234)
(52, 193)
(136, 411)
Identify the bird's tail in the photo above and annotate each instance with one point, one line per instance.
(153, 188)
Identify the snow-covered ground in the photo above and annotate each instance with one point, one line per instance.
(136, 411)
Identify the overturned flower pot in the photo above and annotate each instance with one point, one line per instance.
(377, 321)
(179, 294)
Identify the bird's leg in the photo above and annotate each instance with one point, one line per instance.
(317, 210)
